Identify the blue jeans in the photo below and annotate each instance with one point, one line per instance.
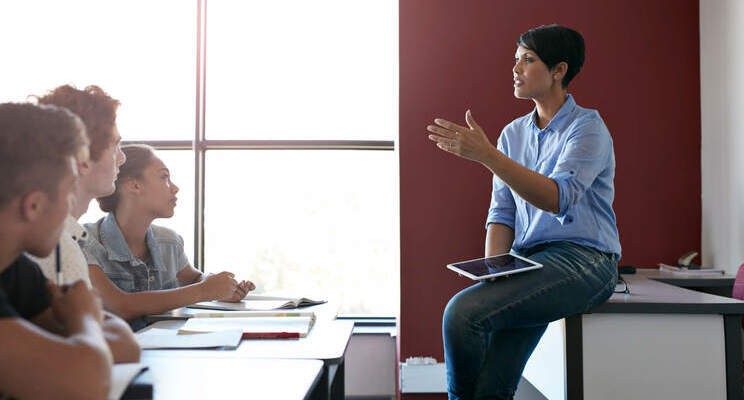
(491, 328)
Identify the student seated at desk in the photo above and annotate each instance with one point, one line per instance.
(97, 174)
(39, 148)
(140, 268)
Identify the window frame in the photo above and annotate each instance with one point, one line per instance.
(200, 145)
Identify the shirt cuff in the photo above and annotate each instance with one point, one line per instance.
(562, 180)
(495, 217)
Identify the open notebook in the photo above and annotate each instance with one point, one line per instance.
(254, 325)
(258, 303)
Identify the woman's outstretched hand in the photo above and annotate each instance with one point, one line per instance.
(468, 142)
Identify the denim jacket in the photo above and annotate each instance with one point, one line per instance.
(107, 249)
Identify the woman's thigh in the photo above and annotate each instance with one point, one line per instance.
(573, 279)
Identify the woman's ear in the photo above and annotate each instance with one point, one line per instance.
(559, 71)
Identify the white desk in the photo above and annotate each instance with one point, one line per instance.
(327, 341)
(233, 378)
(660, 342)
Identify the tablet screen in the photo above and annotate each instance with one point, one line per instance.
(494, 266)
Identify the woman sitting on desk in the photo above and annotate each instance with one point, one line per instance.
(553, 172)
(139, 268)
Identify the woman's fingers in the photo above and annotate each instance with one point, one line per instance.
(448, 145)
(471, 121)
(441, 131)
(450, 125)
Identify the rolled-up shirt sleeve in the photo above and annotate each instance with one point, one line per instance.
(502, 208)
(583, 158)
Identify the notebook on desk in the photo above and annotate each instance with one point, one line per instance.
(258, 325)
(258, 303)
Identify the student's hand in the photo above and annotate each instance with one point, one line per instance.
(468, 142)
(71, 302)
(240, 292)
(218, 286)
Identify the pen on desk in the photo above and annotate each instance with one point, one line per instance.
(59, 266)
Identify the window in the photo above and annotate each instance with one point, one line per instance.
(277, 119)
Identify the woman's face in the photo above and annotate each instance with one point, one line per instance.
(158, 193)
(532, 79)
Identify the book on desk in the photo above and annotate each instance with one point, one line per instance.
(258, 303)
(253, 324)
(687, 271)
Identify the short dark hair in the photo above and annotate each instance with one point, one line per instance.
(555, 44)
(94, 106)
(139, 157)
(36, 143)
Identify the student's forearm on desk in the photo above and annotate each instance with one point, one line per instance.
(499, 239)
(133, 305)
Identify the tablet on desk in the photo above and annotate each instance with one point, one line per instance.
(491, 267)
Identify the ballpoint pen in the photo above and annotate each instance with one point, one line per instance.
(59, 266)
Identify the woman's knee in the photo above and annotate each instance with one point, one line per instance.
(461, 309)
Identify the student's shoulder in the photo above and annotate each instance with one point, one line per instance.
(22, 265)
(93, 240)
(23, 275)
(166, 235)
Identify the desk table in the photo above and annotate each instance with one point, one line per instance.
(718, 284)
(660, 341)
(233, 378)
(327, 341)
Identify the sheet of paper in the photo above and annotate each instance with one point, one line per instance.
(121, 376)
(299, 325)
(170, 339)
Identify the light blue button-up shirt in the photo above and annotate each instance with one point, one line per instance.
(575, 150)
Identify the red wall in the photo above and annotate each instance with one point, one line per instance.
(641, 73)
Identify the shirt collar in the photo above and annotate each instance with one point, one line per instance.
(75, 230)
(559, 121)
(118, 250)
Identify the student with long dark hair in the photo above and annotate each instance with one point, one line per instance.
(140, 268)
(553, 172)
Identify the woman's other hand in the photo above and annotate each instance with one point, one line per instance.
(240, 292)
(468, 142)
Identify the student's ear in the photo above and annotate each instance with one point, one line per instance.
(133, 186)
(83, 168)
(33, 205)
